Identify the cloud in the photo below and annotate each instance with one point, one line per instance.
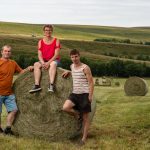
(98, 12)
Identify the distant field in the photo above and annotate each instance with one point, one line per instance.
(24, 45)
(24, 37)
(78, 32)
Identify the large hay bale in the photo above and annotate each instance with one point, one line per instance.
(135, 86)
(40, 114)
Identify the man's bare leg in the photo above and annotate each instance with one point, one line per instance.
(68, 107)
(86, 125)
(11, 117)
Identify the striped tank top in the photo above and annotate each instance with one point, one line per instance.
(80, 82)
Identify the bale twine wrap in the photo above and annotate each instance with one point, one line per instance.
(40, 114)
(135, 86)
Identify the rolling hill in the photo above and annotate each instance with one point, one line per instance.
(24, 38)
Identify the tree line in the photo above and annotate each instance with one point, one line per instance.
(114, 67)
(127, 41)
(125, 55)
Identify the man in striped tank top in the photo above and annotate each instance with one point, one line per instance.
(79, 102)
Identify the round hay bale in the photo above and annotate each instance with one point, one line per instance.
(40, 114)
(105, 81)
(135, 86)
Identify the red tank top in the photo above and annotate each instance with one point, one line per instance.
(48, 50)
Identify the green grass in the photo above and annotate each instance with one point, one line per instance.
(102, 48)
(19, 36)
(78, 32)
(120, 123)
(89, 49)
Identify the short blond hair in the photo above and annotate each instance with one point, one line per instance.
(8, 46)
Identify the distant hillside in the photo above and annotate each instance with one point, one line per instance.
(78, 32)
(93, 50)
(24, 38)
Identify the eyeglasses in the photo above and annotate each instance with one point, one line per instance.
(48, 30)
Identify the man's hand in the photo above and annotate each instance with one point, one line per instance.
(30, 68)
(90, 98)
(66, 74)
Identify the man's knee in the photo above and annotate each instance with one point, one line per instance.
(65, 108)
(68, 105)
(14, 112)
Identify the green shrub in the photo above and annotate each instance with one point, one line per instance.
(147, 43)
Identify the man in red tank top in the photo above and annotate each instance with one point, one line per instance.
(49, 58)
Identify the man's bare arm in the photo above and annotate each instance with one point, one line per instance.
(29, 68)
(88, 74)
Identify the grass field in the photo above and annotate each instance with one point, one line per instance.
(19, 36)
(120, 123)
(27, 46)
(78, 32)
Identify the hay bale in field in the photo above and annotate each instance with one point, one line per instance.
(105, 81)
(40, 113)
(135, 86)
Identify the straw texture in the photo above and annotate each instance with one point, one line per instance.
(40, 114)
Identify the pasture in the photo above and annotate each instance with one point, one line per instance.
(120, 123)
(77, 32)
(24, 38)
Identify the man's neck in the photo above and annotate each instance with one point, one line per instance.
(78, 64)
(4, 59)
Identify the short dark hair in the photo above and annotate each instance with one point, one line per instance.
(48, 26)
(74, 52)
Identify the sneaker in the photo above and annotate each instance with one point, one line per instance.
(80, 120)
(51, 88)
(8, 131)
(1, 130)
(35, 89)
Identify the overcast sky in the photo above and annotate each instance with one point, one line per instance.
(125, 13)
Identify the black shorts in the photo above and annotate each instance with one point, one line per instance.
(81, 101)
